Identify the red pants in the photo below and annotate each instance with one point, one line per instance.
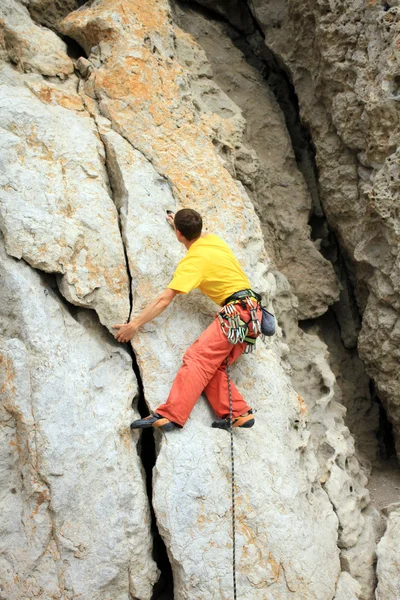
(204, 369)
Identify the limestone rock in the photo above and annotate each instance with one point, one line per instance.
(344, 63)
(388, 567)
(159, 123)
(56, 210)
(29, 47)
(380, 335)
(332, 458)
(50, 12)
(347, 588)
(74, 511)
(352, 389)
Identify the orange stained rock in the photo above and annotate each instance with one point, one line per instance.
(116, 280)
(7, 374)
(146, 96)
(43, 496)
(140, 15)
(50, 95)
(34, 140)
(302, 404)
(275, 567)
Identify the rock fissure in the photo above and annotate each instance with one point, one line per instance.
(163, 589)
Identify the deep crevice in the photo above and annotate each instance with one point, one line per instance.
(164, 588)
(386, 440)
(278, 79)
(74, 50)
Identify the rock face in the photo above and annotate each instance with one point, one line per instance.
(154, 119)
(388, 567)
(28, 46)
(74, 513)
(344, 62)
(55, 206)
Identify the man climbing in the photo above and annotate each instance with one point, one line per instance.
(211, 266)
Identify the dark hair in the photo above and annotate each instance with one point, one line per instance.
(189, 223)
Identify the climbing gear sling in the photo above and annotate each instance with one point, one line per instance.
(232, 484)
(235, 329)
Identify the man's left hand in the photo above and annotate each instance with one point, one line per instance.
(126, 331)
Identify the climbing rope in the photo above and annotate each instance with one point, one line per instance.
(233, 484)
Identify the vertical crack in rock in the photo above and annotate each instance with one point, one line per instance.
(163, 589)
(53, 545)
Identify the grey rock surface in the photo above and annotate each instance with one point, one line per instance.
(347, 588)
(28, 46)
(344, 62)
(75, 520)
(56, 209)
(50, 12)
(389, 560)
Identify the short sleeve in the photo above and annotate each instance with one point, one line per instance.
(188, 275)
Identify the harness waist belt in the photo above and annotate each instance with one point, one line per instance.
(240, 295)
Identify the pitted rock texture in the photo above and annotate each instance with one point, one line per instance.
(388, 567)
(56, 210)
(332, 456)
(74, 513)
(343, 59)
(50, 12)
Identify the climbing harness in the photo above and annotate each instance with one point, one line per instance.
(232, 484)
(235, 329)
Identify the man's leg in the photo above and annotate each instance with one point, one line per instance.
(200, 363)
(217, 391)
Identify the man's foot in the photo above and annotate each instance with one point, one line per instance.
(246, 420)
(153, 420)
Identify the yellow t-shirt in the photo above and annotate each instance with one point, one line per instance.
(211, 266)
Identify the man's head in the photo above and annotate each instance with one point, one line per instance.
(188, 223)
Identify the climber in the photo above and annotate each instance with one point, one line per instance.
(211, 266)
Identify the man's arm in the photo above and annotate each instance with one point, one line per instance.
(156, 307)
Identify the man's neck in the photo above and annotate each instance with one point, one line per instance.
(188, 243)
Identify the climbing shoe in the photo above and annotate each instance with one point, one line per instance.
(246, 420)
(153, 420)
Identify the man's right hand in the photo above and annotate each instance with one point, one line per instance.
(125, 333)
(170, 218)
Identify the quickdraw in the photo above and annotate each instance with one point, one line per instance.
(235, 329)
